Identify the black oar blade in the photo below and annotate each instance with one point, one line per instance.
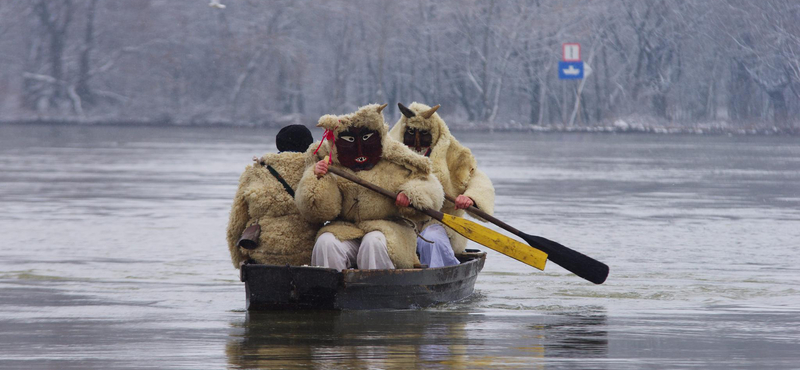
(575, 262)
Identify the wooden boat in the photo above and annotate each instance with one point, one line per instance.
(270, 287)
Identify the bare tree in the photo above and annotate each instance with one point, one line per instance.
(766, 49)
(485, 61)
(82, 89)
(49, 88)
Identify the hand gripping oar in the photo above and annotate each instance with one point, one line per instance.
(575, 262)
(468, 229)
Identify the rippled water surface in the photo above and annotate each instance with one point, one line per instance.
(112, 255)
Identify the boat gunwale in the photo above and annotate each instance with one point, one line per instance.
(351, 276)
(326, 288)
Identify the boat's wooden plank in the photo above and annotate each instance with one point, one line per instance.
(293, 287)
(276, 287)
(417, 296)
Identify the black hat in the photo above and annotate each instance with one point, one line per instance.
(293, 138)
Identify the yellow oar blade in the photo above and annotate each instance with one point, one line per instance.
(499, 242)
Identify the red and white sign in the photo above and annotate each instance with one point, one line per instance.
(571, 52)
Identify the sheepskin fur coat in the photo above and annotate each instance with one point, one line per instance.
(355, 210)
(286, 237)
(454, 166)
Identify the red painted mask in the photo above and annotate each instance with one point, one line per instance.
(359, 148)
(418, 140)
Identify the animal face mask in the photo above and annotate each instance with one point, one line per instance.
(418, 140)
(359, 148)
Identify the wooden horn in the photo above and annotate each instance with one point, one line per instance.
(406, 112)
(428, 113)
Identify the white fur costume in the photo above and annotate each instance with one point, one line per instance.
(354, 210)
(286, 238)
(454, 166)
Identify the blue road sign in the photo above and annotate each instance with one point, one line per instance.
(570, 70)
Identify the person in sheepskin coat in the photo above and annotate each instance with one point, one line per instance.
(422, 130)
(367, 229)
(286, 237)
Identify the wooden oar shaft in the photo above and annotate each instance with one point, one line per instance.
(434, 214)
(470, 230)
(476, 211)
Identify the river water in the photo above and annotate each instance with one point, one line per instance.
(113, 256)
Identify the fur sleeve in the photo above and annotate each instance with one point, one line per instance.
(318, 200)
(239, 218)
(480, 189)
(424, 192)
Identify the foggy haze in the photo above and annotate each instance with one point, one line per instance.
(490, 64)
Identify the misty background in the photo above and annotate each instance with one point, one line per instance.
(719, 65)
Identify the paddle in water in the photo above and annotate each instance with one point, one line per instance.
(573, 261)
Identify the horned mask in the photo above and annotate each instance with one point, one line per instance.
(358, 137)
(418, 135)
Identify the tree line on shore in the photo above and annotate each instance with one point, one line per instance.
(488, 63)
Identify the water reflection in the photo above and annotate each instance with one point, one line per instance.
(577, 336)
(414, 339)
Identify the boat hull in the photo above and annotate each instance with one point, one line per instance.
(270, 287)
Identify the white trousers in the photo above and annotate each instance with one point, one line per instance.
(439, 253)
(368, 253)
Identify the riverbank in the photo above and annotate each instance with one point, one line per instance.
(619, 126)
